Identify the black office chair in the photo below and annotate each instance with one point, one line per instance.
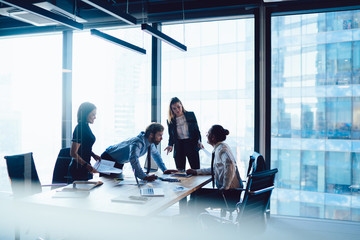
(251, 209)
(256, 163)
(61, 175)
(23, 175)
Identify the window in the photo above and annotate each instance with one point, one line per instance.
(30, 95)
(117, 81)
(215, 79)
(315, 114)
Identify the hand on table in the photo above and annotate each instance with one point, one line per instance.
(191, 171)
(170, 171)
(91, 169)
(150, 178)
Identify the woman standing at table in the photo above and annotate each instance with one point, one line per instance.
(82, 142)
(184, 135)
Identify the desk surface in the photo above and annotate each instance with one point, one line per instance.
(99, 199)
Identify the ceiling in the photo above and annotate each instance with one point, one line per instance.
(151, 11)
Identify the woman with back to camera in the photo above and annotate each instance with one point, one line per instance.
(184, 136)
(82, 142)
(225, 174)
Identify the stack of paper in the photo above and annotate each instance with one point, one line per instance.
(106, 167)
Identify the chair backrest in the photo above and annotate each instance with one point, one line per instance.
(251, 217)
(61, 169)
(23, 175)
(257, 197)
(256, 163)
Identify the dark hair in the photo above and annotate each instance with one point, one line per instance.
(219, 133)
(171, 113)
(153, 128)
(84, 110)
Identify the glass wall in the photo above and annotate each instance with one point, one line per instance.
(214, 79)
(117, 81)
(315, 114)
(30, 96)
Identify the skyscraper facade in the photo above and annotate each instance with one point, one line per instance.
(316, 114)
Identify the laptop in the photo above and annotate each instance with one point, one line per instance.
(149, 192)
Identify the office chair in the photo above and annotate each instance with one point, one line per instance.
(256, 164)
(251, 209)
(256, 200)
(23, 175)
(24, 179)
(61, 175)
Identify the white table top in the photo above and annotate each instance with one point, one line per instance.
(99, 199)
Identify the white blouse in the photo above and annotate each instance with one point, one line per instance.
(182, 127)
(226, 173)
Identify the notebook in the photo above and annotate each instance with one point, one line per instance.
(149, 192)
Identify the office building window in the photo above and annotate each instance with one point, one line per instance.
(30, 96)
(215, 80)
(117, 81)
(316, 114)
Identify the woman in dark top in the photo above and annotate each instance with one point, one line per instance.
(184, 135)
(82, 142)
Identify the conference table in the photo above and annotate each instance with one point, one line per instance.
(46, 211)
(100, 198)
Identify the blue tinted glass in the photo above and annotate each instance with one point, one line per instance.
(315, 113)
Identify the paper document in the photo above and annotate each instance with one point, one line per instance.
(106, 167)
(130, 182)
(130, 199)
(180, 174)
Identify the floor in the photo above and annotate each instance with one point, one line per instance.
(278, 227)
(291, 228)
(281, 227)
(170, 224)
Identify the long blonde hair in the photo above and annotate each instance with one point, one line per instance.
(171, 115)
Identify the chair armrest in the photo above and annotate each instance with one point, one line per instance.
(261, 190)
(237, 189)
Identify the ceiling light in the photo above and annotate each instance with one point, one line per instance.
(117, 41)
(156, 33)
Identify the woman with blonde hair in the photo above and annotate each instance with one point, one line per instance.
(184, 136)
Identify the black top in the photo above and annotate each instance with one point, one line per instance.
(84, 136)
(194, 132)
